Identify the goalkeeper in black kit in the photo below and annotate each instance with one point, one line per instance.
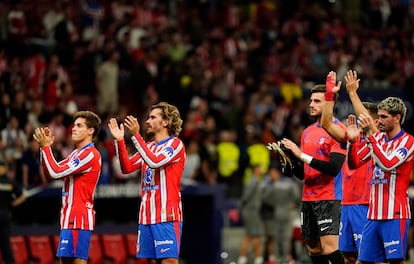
(322, 159)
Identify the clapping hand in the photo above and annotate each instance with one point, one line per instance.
(43, 136)
(117, 132)
(367, 124)
(132, 124)
(352, 130)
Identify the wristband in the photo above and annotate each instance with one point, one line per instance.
(306, 158)
(329, 94)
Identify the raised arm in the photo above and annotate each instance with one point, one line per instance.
(162, 157)
(352, 85)
(128, 164)
(358, 151)
(327, 117)
(166, 155)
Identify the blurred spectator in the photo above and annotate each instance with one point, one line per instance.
(52, 18)
(31, 172)
(17, 29)
(5, 110)
(297, 120)
(177, 47)
(12, 79)
(120, 10)
(66, 36)
(52, 92)
(105, 177)
(34, 67)
(229, 157)
(107, 84)
(3, 21)
(256, 153)
(54, 67)
(125, 54)
(87, 69)
(35, 116)
(192, 163)
(3, 61)
(208, 157)
(58, 129)
(250, 203)
(267, 213)
(92, 12)
(267, 135)
(19, 107)
(13, 143)
(283, 195)
(191, 128)
(235, 112)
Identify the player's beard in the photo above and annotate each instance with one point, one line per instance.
(384, 128)
(315, 116)
(150, 134)
(315, 113)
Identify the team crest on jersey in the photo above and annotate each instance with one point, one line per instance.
(378, 172)
(148, 175)
(75, 162)
(321, 140)
(402, 153)
(168, 151)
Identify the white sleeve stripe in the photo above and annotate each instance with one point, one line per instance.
(143, 207)
(116, 148)
(69, 203)
(380, 200)
(163, 193)
(71, 169)
(391, 191)
(394, 153)
(162, 162)
(153, 207)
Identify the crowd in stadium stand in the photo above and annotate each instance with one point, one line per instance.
(237, 70)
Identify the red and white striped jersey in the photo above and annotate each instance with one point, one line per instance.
(356, 181)
(80, 172)
(393, 159)
(162, 166)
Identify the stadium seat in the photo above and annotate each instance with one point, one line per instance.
(114, 248)
(55, 242)
(131, 244)
(95, 250)
(40, 248)
(20, 251)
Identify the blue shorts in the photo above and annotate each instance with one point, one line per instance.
(158, 241)
(353, 220)
(384, 240)
(74, 243)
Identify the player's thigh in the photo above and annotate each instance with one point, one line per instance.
(395, 233)
(167, 239)
(328, 216)
(309, 224)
